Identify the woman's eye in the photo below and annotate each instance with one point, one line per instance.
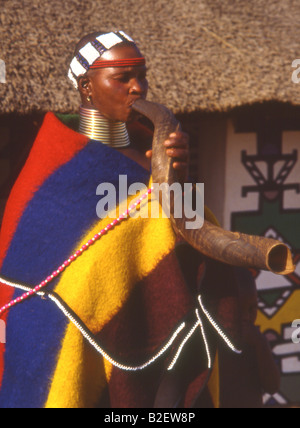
(123, 78)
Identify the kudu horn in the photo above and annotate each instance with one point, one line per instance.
(236, 249)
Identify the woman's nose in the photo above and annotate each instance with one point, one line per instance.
(138, 86)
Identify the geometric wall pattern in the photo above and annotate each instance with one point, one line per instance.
(263, 198)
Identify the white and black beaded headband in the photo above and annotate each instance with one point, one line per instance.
(88, 55)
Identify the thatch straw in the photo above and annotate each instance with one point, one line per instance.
(209, 55)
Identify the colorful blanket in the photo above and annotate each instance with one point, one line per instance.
(119, 306)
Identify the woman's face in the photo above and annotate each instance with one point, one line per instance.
(113, 90)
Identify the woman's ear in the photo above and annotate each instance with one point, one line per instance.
(83, 85)
(84, 88)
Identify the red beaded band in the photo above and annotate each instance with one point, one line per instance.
(74, 256)
(128, 62)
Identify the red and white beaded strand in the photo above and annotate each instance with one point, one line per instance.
(74, 256)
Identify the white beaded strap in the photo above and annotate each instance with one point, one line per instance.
(198, 323)
(88, 335)
(93, 341)
(209, 359)
(101, 351)
(185, 340)
(217, 328)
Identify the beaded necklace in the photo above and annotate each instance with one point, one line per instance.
(94, 125)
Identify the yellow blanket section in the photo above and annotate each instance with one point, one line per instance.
(96, 286)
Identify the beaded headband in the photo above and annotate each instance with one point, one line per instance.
(128, 62)
(87, 55)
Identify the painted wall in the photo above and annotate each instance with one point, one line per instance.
(262, 197)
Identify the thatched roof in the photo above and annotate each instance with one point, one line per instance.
(209, 55)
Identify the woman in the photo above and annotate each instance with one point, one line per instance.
(111, 89)
(109, 298)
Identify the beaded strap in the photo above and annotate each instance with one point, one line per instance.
(88, 335)
(74, 256)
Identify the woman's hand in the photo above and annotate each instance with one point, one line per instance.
(177, 148)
